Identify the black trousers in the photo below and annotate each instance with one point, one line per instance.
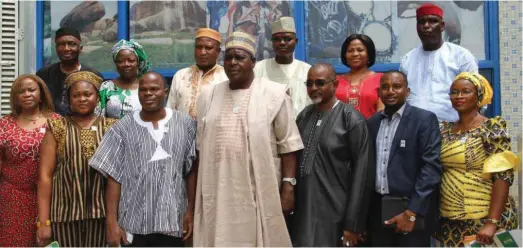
(156, 240)
(382, 236)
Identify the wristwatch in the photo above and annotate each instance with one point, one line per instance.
(412, 218)
(494, 221)
(291, 180)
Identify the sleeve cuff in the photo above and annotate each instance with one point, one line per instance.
(291, 145)
(416, 206)
(351, 225)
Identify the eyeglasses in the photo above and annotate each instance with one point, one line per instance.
(282, 38)
(456, 93)
(318, 83)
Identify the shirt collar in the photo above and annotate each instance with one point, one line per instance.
(149, 125)
(399, 112)
(216, 66)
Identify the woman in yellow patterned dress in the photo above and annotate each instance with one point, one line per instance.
(478, 168)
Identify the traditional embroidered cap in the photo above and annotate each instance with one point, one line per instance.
(86, 76)
(284, 25)
(67, 31)
(429, 9)
(209, 33)
(241, 40)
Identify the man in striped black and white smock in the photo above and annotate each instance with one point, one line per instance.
(148, 157)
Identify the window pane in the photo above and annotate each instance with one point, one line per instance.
(487, 73)
(166, 29)
(391, 25)
(95, 20)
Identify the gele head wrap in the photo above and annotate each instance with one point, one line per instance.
(143, 64)
(482, 86)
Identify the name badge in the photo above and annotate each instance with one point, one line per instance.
(42, 130)
(93, 128)
(402, 143)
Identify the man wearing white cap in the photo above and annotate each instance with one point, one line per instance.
(284, 68)
(247, 141)
(187, 82)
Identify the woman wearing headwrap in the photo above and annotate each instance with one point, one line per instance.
(478, 168)
(119, 97)
(70, 193)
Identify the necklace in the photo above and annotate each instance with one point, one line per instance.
(32, 120)
(353, 94)
(463, 128)
(89, 125)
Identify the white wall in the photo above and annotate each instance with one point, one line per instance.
(27, 46)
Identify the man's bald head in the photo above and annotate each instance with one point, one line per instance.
(324, 69)
(321, 83)
(152, 92)
(154, 77)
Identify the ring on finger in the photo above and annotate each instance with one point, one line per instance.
(347, 244)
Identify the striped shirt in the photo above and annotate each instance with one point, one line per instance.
(151, 166)
(383, 145)
(77, 189)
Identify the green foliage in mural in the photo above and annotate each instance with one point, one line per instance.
(47, 19)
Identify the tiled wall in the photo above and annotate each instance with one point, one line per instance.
(510, 50)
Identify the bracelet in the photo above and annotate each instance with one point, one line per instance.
(47, 223)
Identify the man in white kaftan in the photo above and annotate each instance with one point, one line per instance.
(284, 68)
(432, 67)
(187, 82)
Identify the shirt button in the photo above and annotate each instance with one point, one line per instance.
(383, 162)
(386, 137)
(385, 149)
(383, 175)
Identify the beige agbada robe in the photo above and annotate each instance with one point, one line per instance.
(237, 196)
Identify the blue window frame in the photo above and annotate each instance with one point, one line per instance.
(489, 66)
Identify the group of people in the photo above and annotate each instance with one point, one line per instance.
(270, 153)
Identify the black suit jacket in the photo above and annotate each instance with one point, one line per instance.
(414, 168)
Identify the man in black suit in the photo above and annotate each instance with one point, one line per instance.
(408, 170)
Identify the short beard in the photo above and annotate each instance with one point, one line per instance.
(317, 100)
